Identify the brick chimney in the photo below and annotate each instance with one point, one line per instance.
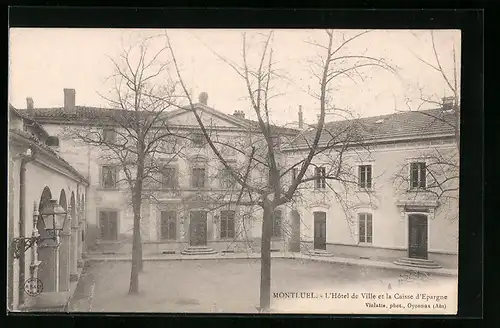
(448, 103)
(301, 118)
(30, 104)
(203, 98)
(69, 99)
(239, 114)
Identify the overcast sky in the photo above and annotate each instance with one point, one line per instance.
(44, 61)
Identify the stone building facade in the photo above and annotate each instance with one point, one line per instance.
(379, 217)
(37, 173)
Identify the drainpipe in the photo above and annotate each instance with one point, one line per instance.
(22, 199)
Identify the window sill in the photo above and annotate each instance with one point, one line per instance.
(417, 190)
(364, 244)
(107, 189)
(365, 190)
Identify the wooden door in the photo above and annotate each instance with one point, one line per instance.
(198, 228)
(320, 230)
(417, 241)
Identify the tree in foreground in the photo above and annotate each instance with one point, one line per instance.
(263, 177)
(133, 136)
(441, 168)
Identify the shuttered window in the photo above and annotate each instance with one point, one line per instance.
(418, 173)
(227, 224)
(365, 228)
(168, 225)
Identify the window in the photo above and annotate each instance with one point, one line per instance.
(198, 140)
(227, 180)
(108, 176)
(198, 177)
(169, 178)
(168, 225)
(365, 176)
(108, 224)
(277, 223)
(417, 175)
(109, 135)
(365, 228)
(227, 224)
(320, 174)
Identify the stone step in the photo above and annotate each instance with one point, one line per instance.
(198, 250)
(428, 264)
(411, 261)
(321, 252)
(416, 260)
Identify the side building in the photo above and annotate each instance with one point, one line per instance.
(396, 193)
(37, 174)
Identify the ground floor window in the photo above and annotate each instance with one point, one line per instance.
(168, 225)
(227, 224)
(108, 224)
(365, 228)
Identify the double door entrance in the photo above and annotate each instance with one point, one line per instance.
(198, 228)
(320, 230)
(417, 236)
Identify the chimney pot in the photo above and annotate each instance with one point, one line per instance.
(69, 99)
(30, 104)
(448, 103)
(239, 114)
(203, 98)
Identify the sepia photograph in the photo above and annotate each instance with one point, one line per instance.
(289, 171)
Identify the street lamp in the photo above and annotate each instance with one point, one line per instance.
(54, 217)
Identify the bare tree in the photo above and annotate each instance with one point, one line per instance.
(264, 179)
(442, 163)
(134, 136)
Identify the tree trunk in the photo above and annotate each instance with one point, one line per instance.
(139, 245)
(136, 254)
(265, 262)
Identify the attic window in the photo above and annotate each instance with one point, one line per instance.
(52, 141)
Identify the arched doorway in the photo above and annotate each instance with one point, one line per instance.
(45, 254)
(62, 199)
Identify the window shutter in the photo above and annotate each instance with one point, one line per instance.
(368, 176)
(423, 172)
(414, 176)
(368, 228)
(361, 176)
(361, 225)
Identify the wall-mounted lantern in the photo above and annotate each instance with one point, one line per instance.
(54, 217)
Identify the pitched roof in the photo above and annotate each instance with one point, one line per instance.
(88, 114)
(52, 153)
(399, 125)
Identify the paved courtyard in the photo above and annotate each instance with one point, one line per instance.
(232, 286)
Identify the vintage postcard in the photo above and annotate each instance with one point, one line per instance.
(233, 171)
